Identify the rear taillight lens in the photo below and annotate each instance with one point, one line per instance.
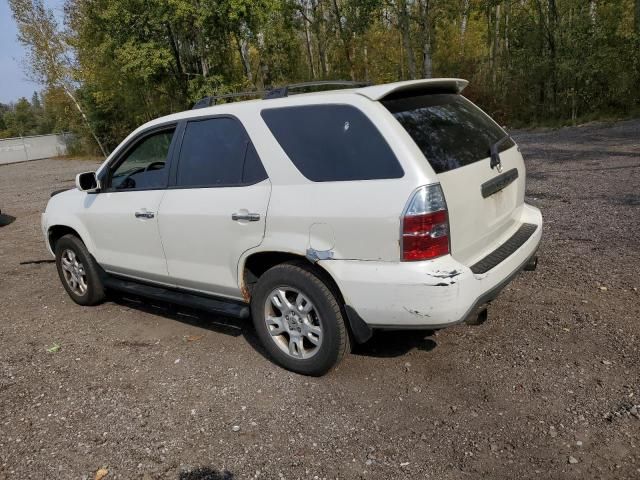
(425, 225)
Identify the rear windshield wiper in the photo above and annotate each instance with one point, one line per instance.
(495, 154)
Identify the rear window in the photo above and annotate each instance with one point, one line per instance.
(450, 130)
(217, 152)
(329, 143)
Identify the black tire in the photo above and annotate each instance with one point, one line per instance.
(335, 337)
(94, 291)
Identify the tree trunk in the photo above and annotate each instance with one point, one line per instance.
(403, 21)
(463, 23)
(401, 58)
(553, 21)
(489, 17)
(366, 63)
(427, 62)
(345, 39)
(67, 90)
(541, 53)
(243, 49)
(496, 45)
(181, 77)
(307, 36)
(320, 32)
(507, 17)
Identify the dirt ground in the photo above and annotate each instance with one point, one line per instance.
(547, 388)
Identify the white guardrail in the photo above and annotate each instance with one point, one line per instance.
(36, 147)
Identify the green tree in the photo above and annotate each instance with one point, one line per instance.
(3, 125)
(48, 52)
(20, 119)
(124, 62)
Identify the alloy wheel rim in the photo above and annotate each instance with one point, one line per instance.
(74, 272)
(293, 322)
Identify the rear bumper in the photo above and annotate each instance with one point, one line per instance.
(431, 294)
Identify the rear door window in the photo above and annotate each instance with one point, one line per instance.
(217, 152)
(450, 130)
(329, 143)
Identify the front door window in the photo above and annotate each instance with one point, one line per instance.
(145, 165)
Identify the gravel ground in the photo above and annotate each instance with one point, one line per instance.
(548, 387)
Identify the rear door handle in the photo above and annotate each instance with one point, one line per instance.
(249, 217)
(145, 214)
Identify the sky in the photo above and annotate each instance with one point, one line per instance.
(13, 80)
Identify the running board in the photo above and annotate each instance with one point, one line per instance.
(220, 306)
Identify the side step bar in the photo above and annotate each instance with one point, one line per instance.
(219, 306)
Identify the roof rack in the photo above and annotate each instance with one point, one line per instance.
(211, 100)
(280, 92)
(277, 92)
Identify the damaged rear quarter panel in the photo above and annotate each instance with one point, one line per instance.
(402, 293)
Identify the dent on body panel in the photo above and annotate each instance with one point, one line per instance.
(439, 296)
(424, 303)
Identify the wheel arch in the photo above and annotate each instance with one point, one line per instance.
(56, 232)
(257, 263)
(253, 265)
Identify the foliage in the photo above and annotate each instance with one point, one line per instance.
(49, 53)
(51, 114)
(529, 61)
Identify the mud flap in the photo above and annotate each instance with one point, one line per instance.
(359, 329)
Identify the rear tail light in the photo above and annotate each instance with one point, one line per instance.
(425, 225)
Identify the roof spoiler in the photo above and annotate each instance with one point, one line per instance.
(414, 87)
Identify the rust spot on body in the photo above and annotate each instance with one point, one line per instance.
(246, 294)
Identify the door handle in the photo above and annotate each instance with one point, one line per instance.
(145, 214)
(249, 217)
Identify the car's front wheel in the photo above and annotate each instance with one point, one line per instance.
(78, 271)
(299, 320)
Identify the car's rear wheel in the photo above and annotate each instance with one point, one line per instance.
(299, 320)
(78, 271)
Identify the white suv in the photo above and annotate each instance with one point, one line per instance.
(321, 215)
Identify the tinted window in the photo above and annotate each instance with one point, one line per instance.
(213, 154)
(450, 130)
(144, 165)
(253, 171)
(332, 143)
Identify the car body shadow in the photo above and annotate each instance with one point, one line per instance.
(6, 219)
(197, 318)
(383, 343)
(205, 473)
(396, 343)
(233, 327)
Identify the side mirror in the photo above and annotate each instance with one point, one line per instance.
(87, 182)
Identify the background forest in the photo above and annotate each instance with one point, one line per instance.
(114, 64)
